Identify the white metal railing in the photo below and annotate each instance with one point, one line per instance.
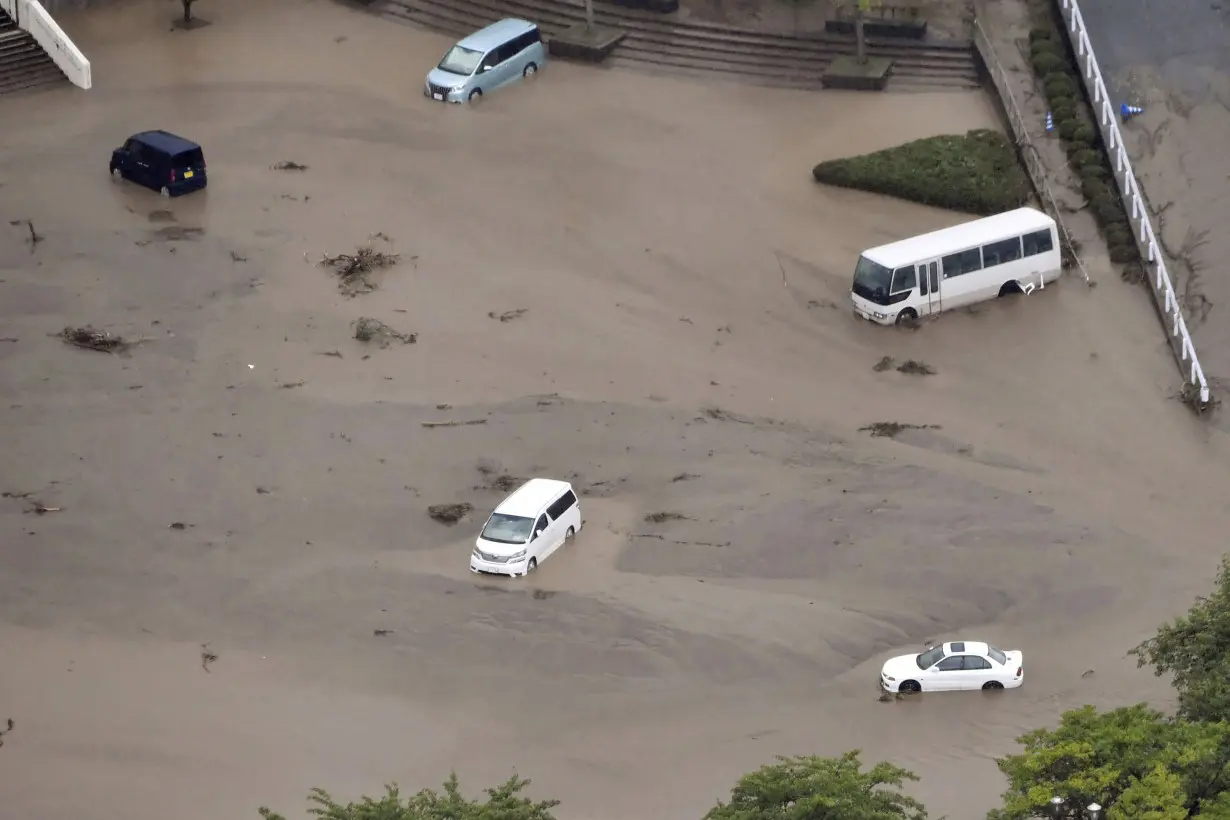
(1134, 202)
(1020, 132)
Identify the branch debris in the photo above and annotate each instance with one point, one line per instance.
(288, 165)
(90, 338)
(367, 329)
(354, 269)
(457, 423)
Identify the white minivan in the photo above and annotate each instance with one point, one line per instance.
(527, 528)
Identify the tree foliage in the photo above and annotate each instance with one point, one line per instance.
(821, 788)
(1134, 761)
(504, 802)
(1195, 650)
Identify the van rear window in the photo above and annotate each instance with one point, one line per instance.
(188, 158)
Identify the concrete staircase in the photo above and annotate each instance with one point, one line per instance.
(23, 62)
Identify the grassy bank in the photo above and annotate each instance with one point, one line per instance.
(977, 173)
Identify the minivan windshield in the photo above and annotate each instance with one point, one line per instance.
(872, 281)
(931, 657)
(461, 60)
(508, 529)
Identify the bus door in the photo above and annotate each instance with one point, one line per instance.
(929, 287)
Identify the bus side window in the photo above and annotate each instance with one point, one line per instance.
(904, 279)
(922, 280)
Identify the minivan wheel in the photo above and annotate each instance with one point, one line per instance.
(992, 684)
(568, 535)
(907, 316)
(909, 686)
(117, 173)
(165, 191)
(531, 566)
(475, 94)
(530, 70)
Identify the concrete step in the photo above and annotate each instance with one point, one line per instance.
(24, 64)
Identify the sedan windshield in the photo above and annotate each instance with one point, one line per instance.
(931, 657)
(872, 281)
(461, 61)
(508, 529)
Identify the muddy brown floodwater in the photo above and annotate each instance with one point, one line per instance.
(684, 346)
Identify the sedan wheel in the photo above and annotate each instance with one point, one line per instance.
(910, 686)
(992, 684)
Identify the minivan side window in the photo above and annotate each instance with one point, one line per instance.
(1038, 242)
(561, 505)
(541, 525)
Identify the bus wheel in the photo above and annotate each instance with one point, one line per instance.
(1009, 288)
(907, 317)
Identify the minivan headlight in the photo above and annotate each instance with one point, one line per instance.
(517, 556)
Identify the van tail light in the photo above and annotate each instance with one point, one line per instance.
(172, 174)
(1018, 671)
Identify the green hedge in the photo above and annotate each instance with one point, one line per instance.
(977, 173)
(1057, 72)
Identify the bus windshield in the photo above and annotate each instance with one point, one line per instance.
(872, 281)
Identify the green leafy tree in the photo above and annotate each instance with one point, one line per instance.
(1195, 650)
(1129, 760)
(1156, 796)
(504, 802)
(821, 788)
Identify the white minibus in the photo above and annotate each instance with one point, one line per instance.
(1012, 252)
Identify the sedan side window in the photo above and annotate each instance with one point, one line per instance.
(974, 663)
(953, 664)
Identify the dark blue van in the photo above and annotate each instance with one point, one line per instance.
(164, 162)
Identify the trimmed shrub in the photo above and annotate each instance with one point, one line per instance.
(1122, 254)
(1067, 128)
(1059, 85)
(1084, 157)
(1086, 134)
(1040, 47)
(1063, 109)
(1040, 34)
(977, 173)
(1118, 234)
(1046, 63)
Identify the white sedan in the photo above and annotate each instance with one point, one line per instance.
(956, 665)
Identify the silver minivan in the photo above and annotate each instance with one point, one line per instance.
(487, 59)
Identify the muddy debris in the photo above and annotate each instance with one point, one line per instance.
(38, 508)
(353, 270)
(503, 483)
(34, 238)
(663, 516)
(891, 429)
(288, 165)
(508, 315)
(207, 657)
(8, 727)
(910, 367)
(718, 414)
(380, 633)
(367, 329)
(450, 514)
(684, 477)
(90, 338)
(1189, 394)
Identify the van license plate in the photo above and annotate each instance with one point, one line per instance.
(187, 175)
(439, 97)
